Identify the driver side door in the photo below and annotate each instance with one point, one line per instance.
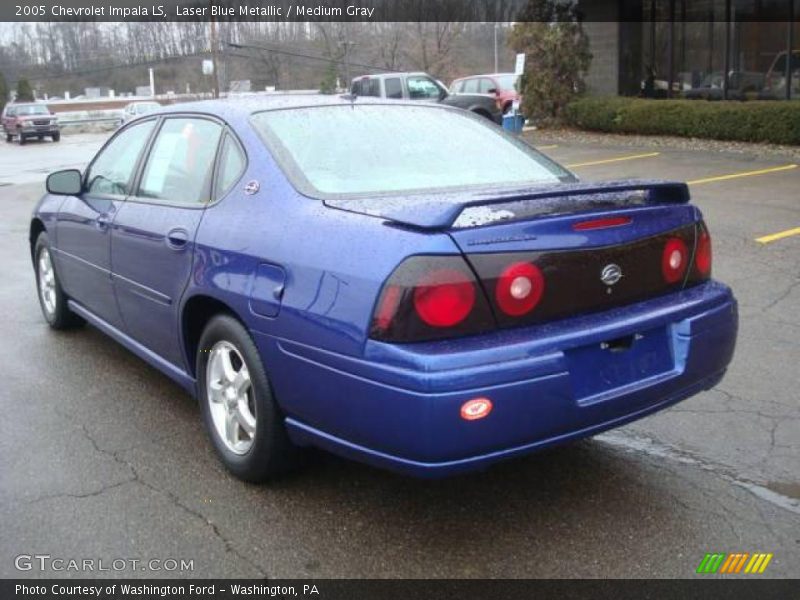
(83, 250)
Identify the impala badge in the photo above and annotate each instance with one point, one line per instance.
(611, 274)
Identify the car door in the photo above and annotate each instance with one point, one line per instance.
(152, 240)
(393, 86)
(421, 87)
(83, 250)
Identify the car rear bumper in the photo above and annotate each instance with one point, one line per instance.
(399, 406)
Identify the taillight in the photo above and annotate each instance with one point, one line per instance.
(519, 288)
(701, 265)
(431, 297)
(674, 260)
(702, 256)
(444, 297)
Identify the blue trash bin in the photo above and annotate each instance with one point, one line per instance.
(513, 123)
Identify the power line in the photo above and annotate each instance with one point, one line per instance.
(92, 71)
(303, 55)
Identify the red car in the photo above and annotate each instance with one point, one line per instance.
(28, 121)
(500, 85)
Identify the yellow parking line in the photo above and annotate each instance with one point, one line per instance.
(550, 147)
(742, 174)
(778, 236)
(613, 160)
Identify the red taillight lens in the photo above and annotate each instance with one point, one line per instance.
(444, 298)
(674, 260)
(387, 308)
(702, 256)
(519, 288)
(429, 298)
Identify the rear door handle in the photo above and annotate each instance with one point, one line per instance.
(177, 238)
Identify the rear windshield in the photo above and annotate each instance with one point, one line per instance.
(376, 149)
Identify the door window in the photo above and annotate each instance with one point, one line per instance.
(471, 86)
(422, 88)
(485, 85)
(179, 166)
(112, 169)
(231, 165)
(394, 88)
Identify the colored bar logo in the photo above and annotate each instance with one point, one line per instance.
(738, 562)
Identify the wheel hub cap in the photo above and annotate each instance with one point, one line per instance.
(230, 397)
(47, 282)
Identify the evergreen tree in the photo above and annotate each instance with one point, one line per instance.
(3, 91)
(24, 91)
(550, 34)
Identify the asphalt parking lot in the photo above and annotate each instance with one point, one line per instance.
(102, 457)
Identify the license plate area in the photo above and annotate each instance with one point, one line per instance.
(599, 368)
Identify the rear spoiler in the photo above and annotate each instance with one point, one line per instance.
(474, 208)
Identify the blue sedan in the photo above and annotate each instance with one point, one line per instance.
(403, 284)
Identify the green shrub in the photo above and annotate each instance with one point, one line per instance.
(773, 122)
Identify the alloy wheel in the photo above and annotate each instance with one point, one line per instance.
(230, 396)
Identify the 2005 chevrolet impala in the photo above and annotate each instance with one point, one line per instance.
(405, 285)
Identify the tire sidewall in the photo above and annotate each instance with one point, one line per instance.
(265, 456)
(43, 243)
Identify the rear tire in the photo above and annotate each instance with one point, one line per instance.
(22, 140)
(52, 299)
(242, 418)
(9, 137)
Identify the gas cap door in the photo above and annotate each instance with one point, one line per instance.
(266, 292)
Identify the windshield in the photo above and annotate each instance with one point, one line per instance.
(374, 149)
(31, 109)
(507, 82)
(146, 108)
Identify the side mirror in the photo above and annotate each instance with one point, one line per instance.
(65, 183)
(494, 91)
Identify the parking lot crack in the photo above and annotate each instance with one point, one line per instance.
(782, 296)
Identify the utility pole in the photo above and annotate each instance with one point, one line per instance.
(495, 48)
(215, 75)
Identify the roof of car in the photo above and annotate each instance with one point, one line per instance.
(243, 106)
(484, 75)
(392, 74)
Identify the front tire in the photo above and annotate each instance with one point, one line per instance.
(52, 299)
(22, 140)
(241, 416)
(9, 137)
(56, 136)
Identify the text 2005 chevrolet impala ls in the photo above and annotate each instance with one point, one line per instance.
(404, 285)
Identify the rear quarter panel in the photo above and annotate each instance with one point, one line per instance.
(335, 262)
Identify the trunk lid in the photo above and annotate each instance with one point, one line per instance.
(593, 246)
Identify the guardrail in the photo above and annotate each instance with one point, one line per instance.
(89, 120)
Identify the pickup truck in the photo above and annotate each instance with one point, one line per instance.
(29, 120)
(421, 86)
